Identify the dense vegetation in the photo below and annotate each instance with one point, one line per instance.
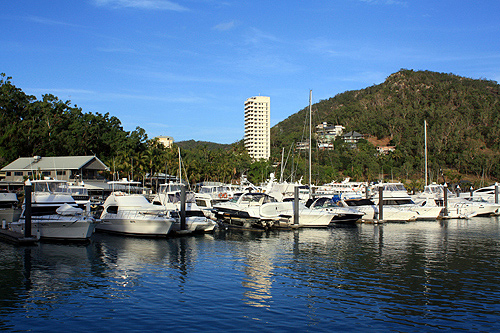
(462, 114)
(192, 144)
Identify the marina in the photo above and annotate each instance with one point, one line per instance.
(415, 276)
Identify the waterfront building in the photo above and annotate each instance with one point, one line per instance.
(258, 127)
(68, 168)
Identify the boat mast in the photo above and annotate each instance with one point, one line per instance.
(180, 172)
(282, 154)
(425, 139)
(310, 141)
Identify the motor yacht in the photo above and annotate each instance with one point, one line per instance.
(395, 194)
(320, 217)
(169, 196)
(457, 207)
(55, 214)
(372, 211)
(10, 209)
(132, 214)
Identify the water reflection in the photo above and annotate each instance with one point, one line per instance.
(401, 277)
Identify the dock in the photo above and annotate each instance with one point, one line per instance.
(16, 238)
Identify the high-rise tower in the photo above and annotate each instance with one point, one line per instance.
(257, 127)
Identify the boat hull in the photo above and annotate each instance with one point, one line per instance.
(10, 214)
(56, 228)
(194, 225)
(141, 227)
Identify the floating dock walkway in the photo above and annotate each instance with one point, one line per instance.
(16, 238)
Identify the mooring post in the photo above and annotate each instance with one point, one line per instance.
(367, 192)
(296, 205)
(381, 202)
(183, 207)
(496, 193)
(445, 196)
(27, 209)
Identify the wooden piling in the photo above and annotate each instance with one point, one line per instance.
(381, 202)
(445, 196)
(27, 209)
(496, 193)
(183, 208)
(296, 206)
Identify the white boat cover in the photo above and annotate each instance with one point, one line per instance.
(67, 210)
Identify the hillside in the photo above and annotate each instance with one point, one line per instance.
(192, 144)
(463, 117)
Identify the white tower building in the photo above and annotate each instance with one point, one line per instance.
(258, 127)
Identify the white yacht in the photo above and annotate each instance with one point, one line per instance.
(55, 214)
(372, 213)
(458, 207)
(487, 193)
(308, 217)
(395, 194)
(132, 214)
(221, 192)
(205, 204)
(243, 205)
(345, 187)
(9, 207)
(169, 196)
(341, 214)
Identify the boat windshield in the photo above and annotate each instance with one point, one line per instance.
(207, 189)
(50, 187)
(165, 188)
(396, 202)
(256, 197)
(394, 187)
(236, 197)
(221, 189)
(436, 190)
(324, 203)
(78, 190)
(176, 197)
(360, 202)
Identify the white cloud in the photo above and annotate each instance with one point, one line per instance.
(225, 26)
(385, 2)
(46, 21)
(142, 4)
(257, 37)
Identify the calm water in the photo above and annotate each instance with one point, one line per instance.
(419, 276)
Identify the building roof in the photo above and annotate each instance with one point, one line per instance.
(353, 134)
(56, 163)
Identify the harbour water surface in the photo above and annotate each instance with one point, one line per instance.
(418, 276)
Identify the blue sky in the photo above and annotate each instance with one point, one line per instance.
(185, 68)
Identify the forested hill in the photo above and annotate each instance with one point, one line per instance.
(192, 144)
(463, 117)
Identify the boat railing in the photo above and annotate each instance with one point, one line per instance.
(58, 217)
(134, 214)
